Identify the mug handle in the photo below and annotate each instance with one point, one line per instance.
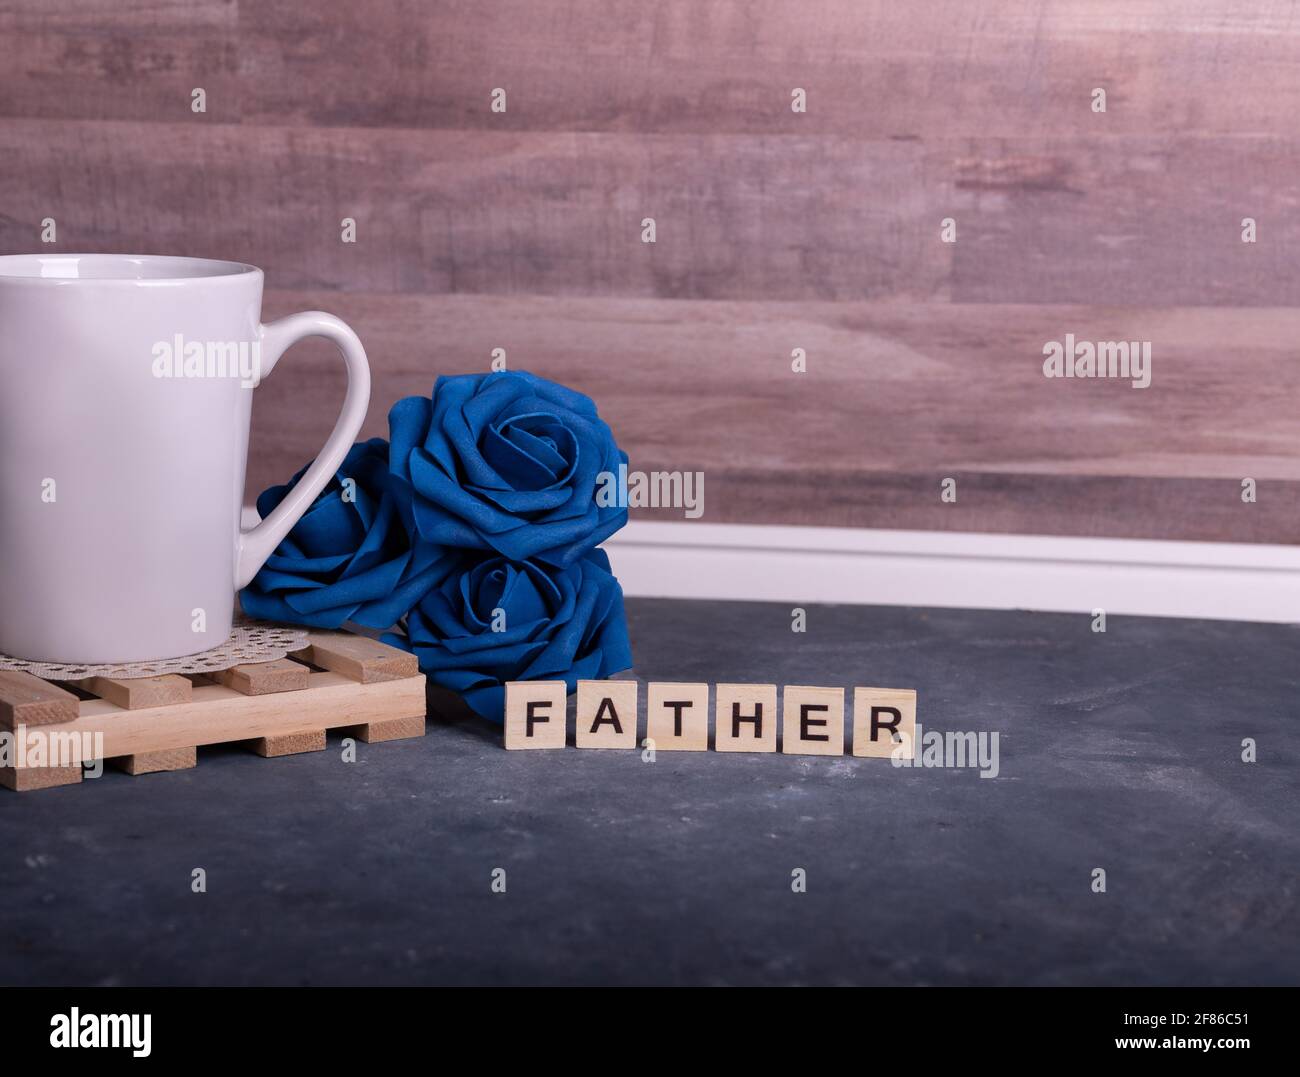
(258, 543)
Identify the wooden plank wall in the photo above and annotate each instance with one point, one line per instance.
(775, 230)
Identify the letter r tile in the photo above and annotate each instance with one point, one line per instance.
(884, 719)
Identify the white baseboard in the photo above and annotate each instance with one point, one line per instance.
(799, 565)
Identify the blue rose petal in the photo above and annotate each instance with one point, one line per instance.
(583, 633)
(482, 499)
(346, 560)
(508, 462)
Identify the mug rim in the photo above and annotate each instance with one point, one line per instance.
(178, 269)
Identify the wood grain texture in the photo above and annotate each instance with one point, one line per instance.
(158, 762)
(776, 230)
(28, 700)
(1097, 221)
(308, 740)
(1153, 221)
(118, 59)
(28, 779)
(220, 715)
(359, 658)
(897, 397)
(872, 68)
(156, 724)
(264, 678)
(483, 212)
(139, 693)
(1124, 220)
(390, 729)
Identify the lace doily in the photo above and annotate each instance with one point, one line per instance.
(250, 641)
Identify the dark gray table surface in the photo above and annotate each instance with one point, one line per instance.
(1120, 751)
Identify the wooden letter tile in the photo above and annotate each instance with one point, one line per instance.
(744, 718)
(677, 716)
(535, 714)
(812, 720)
(606, 714)
(879, 714)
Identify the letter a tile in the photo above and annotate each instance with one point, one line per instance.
(606, 714)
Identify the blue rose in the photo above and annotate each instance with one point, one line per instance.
(495, 620)
(508, 462)
(349, 558)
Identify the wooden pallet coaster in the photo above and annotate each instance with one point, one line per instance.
(339, 681)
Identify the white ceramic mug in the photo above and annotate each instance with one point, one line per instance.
(125, 397)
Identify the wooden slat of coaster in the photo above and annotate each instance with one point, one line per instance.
(28, 700)
(25, 779)
(139, 693)
(306, 740)
(389, 729)
(359, 657)
(220, 715)
(264, 678)
(155, 762)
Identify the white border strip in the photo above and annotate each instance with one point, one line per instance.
(1226, 581)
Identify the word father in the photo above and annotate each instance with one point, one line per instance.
(677, 718)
